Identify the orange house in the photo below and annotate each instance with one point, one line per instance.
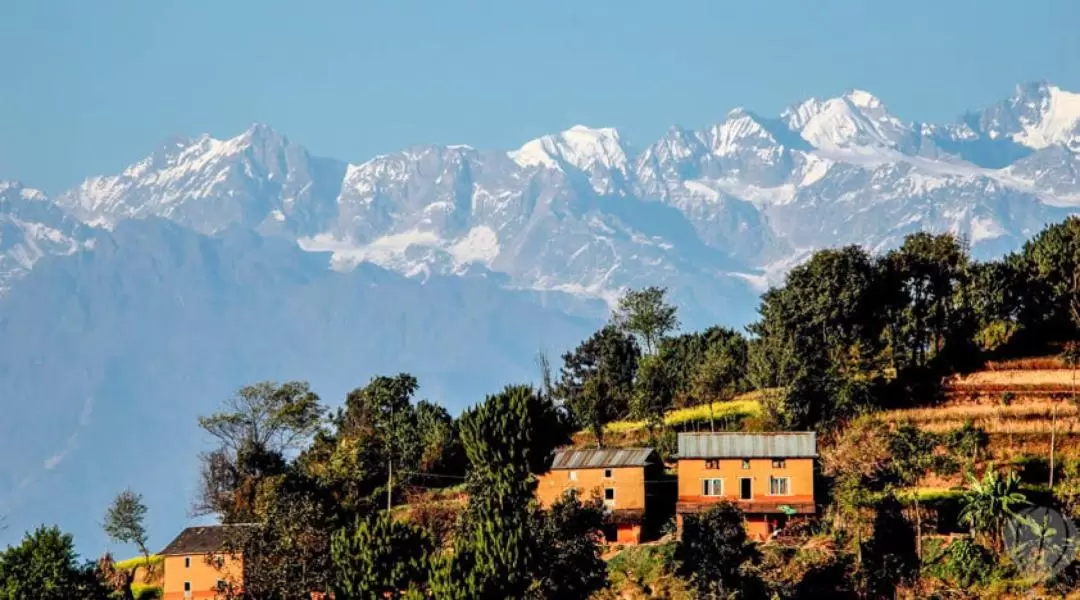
(623, 477)
(198, 564)
(770, 476)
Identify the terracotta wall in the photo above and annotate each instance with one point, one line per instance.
(202, 575)
(628, 482)
(628, 534)
(800, 471)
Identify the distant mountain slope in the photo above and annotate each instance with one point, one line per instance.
(720, 211)
(109, 355)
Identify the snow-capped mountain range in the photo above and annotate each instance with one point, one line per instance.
(720, 212)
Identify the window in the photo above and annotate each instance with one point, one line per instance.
(712, 463)
(779, 486)
(778, 463)
(746, 463)
(187, 562)
(187, 586)
(712, 487)
(221, 585)
(609, 496)
(219, 561)
(573, 475)
(607, 474)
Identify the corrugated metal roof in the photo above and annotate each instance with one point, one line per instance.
(597, 458)
(788, 444)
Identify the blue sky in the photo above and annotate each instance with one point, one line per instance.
(91, 86)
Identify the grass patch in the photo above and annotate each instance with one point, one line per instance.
(929, 495)
(156, 560)
(745, 406)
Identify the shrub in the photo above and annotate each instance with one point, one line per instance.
(147, 592)
(964, 563)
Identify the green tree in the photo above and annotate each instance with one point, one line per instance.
(381, 413)
(999, 292)
(927, 279)
(568, 536)
(255, 429)
(506, 438)
(647, 314)
(596, 380)
(654, 392)
(287, 555)
(913, 455)
(45, 567)
(721, 374)
(705, 364)
(379, 558)
(990, 502)
(1054, 258)
(820, 336)
(125, 523)
(440, 447)
(713, 550)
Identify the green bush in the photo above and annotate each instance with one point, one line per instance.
(642, 564)
(964, 563)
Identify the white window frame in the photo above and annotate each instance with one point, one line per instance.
(705, 487)
(746, 464)
(187, 562)
(787, 485)
(779, 463)
(751, 480)
(572, 476)
(611, 501)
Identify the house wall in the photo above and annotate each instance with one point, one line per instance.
(629, 484)
(202, 575)
(692, 472)
(628, 533)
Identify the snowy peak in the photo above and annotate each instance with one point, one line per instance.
(863, 100)
(32, 227)
(1047, 116)
(739, 129)
(581, 147)
(855, 119)
(206, 183)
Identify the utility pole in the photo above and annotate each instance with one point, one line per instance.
(390, 460)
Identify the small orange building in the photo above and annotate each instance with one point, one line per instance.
(623, 477)
(198, 563)
(770, 476)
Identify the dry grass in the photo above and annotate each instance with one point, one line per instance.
(1036, 363)
(746, 405)
(1014, 379)
(1035, 417)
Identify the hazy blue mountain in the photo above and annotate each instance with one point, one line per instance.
(109, 355)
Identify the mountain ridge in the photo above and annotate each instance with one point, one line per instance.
(738, 183)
